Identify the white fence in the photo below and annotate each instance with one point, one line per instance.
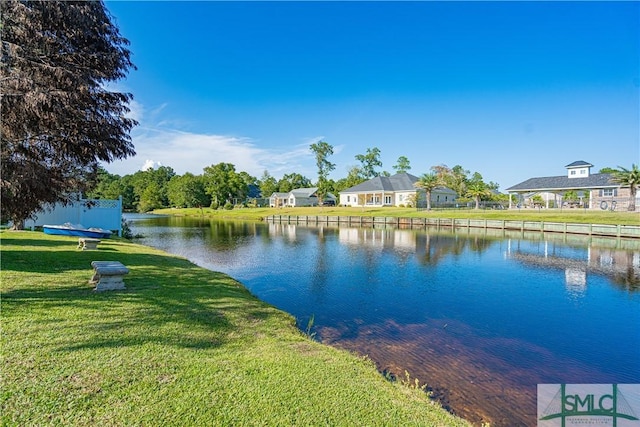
(100, 213)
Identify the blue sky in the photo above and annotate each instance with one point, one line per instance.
(512, 90)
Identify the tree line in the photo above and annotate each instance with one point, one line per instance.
(222, 186)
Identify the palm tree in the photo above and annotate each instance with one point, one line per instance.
(476, 191)
(628, 178)
(428, 182)
(477, 188)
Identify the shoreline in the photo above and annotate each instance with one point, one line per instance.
(176, 338)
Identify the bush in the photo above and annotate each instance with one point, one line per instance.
(228, 206)
(126, 229)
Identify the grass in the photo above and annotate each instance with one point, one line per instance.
(579, 216)
(180, 346)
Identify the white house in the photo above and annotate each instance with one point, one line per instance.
(395, 190)
(298, 197)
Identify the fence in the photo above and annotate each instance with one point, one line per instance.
(625, 231)
(100, 213)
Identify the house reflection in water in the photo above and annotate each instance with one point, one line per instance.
(575, 281)
(378, 238)
(622, 267)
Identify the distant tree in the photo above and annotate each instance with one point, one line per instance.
(151, 198)
(284, 185)
(224, 184)
(402, 165)
(322, 151)
(268, 184)
(608, 170)
(138, 181)
(476, 188)
(354, 177)
(59, 116)
(248, 179)
(292, 181)
(428, 182)
(571, 196)
(537, 200)
(187, 191)
(628, 178)
(161, 176)
(455, 178)
(370, 162)
(150, 188)
(126, 188)
(103, 185)
(458, 179)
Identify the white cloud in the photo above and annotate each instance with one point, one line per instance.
(160, 141)
(150, 164)
(136, 111)
(191, 152)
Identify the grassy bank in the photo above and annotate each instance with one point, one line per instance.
(181, 346)
(579, 216)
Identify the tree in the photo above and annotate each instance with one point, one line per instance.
(224, 184)
(59, 117)
(268, 184)
(607, 170)
(571, 196)
(323, 150)
(370, 161)
(151, 198)
(125, 188)
(103, 185)
(292, 181)
(187, 191)
(354, 177)
(402, 165)
(455, 178)
(477, 188)
(161, 176)
(428, 182)
(628, 178)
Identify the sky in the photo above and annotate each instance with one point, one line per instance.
(512, 90)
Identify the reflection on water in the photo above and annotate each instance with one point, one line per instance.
(482, 318)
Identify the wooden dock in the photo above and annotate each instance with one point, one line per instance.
(604, 230)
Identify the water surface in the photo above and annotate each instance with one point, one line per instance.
(482, 319)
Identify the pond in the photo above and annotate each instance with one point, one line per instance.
(481, 318)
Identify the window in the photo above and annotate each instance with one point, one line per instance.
(387, 200)
(572, 172)
(609, 192)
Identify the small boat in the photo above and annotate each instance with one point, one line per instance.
(68, 229)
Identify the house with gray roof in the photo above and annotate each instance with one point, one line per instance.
(595, 190)
(395, 190)
(298, 197)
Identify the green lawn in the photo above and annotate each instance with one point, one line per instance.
(547, 215)
(181, 346)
